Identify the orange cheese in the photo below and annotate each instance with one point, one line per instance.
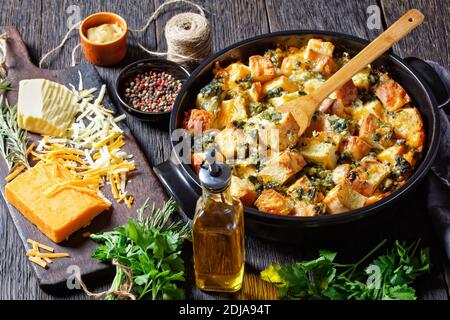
(58, 214)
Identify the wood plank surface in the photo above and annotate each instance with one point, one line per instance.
(430, 40)
(231, 21)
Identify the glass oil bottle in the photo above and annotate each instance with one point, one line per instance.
(218, 231)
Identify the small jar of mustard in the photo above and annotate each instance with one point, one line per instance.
(104, 38)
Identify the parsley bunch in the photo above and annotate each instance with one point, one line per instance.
(150, 247)
(388, 277)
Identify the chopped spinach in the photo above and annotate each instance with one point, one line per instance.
(320, 177)
(340, 125)
(275, 92)
(256, 108)
(273, 56)
(272, 116)
(376, 137)
(213, 89)
(401, 167)
(239, 124)
(366, 96)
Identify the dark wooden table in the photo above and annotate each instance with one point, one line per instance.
(43, 23)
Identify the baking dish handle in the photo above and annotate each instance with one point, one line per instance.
(434, 81)
(178, 188)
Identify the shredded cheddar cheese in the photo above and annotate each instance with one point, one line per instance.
(40, 262)
(36, 245)
(15, 173)
(43, 259)
(92, 151)
(30, 148)
(129, 201)
(87, 234)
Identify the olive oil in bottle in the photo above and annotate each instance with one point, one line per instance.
(218, 231)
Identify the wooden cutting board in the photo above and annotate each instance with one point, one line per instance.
(143, 183)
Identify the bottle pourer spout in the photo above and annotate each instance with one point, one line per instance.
(213, 168)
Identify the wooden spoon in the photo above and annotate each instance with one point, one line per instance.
(303, 108)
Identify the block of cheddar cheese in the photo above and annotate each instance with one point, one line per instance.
(56, 211)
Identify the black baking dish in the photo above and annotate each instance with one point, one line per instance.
(183, 184)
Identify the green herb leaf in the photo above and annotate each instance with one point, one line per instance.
(150, 246)
(388, 277)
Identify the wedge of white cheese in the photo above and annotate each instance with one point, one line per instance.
(45, 107)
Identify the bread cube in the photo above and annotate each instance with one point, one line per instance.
(366, 178)
(391, 94)
(340, 173)
(377, 133)
(336, 108)
(262, 69)
(320, 54)
(356, 148)
(321, 153)
(347, 93)
(361, 79)
(281, 167)
(408, 125)
(277, 130)
(323, 136)
(350, 198)
(276, 56)
(244, 169)
(343, 198)
(390, 154)
(282, 83)
(254, 94)
(307, 209)
(304, 190)
(271, 201)
(292, 62)
(317, 124)
(312, 84)
(231, 110)
(373, 106)
(231, 143)
(321, 148)
(243, 190)
(317, 47)
(278, 101)
(238, 71)
(198, 120)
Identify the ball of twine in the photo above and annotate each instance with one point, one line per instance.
(188, 37)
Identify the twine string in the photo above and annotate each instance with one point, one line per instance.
(63, 42)
(188, 36)
(123, 293)
(158, 11)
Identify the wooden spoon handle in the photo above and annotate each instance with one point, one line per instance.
(376, 48)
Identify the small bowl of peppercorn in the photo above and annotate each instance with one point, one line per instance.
(147, 89)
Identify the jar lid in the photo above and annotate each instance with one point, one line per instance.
(214, 176)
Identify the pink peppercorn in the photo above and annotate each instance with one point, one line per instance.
(152, 91)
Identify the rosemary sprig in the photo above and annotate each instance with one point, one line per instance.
(13, 140)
